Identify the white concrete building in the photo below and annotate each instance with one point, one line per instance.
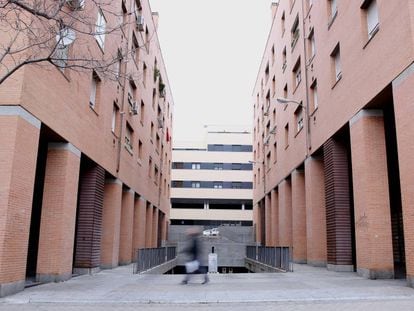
(212, 180)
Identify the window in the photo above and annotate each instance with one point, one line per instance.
(236, 185)
(95, 88)
(285, 92)
(132, 90)
(314, 95)
(149, 167)
(155, 174)
(336, 58)
(297, 73)
(142, 109)
(144, 74)
(333, 11)
(267, 72)
(371, 9)
(218, 185)
(284, 59)
(273, 54)
(275, 152)
(178, 165)
(129, 137)
(177, 184)
(100, 29)
(218, 166)
(295, 32)
(195, 184)
(157, 142)
(236, 166)
(286, 135)
(273, 86)
(139, 149)
(268, 158)
(311, 44)
(152, 131)
(195, 166)
(135, 50)
(283, 24)
(299, 119)
(114, 121)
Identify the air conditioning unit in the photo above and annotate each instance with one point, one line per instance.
(75, 4)
(134, 108)
(139, 19)
(160, 122)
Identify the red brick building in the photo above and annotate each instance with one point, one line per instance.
(334, 162)
(84, 160)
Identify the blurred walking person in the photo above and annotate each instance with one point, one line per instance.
(193, 251)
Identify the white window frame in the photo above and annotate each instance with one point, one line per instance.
(372, 18)
(338, 70)
(113, 121)
(195, 166)
(195, 184)
(100, 29)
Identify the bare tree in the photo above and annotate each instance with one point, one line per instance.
(67, 34)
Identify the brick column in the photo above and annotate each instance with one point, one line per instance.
(155, 218)
(315, 212)
(111, 222)
(57, 227)
(285, 213)
(127, 227)
(373, 234)
(139, 225)
(298, 217)
(275, 218)
(148, 225)
(19, 139)
(268, 219)
(403, 93)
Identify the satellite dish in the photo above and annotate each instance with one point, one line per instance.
(66, 36)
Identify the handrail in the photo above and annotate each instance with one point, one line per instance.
(147, 258)
(279, 257)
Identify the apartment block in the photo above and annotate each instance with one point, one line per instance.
(85, 160)
(333, 167)
(212, 180)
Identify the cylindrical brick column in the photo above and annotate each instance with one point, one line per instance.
(285, 213)
(111, 222)
(127, 226)
(268, 219)
(139, 225)
(275, 217)
(403, 93)
(298, 217)
(374, 252)
(155, 229)
(148, 225)
(19, 139)
(57, 227)
(315, 212)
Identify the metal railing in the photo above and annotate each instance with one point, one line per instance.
(278, 257)
(147, 258)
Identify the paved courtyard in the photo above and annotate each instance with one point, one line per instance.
(307, 288)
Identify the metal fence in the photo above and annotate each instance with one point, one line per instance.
(148, 258)
(278, 257)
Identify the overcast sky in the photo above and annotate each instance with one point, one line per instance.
(212, 50)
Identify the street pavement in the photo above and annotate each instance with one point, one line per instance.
(307, 288)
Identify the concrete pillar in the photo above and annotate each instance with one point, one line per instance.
(298, 216)
(268, 219)
(111, 223)
(403, 93)
(148, 225)
(139, 225)
(275, 217)
(58, 220)
(285, 213)
(374, 252)
(19, 139)
(127, 227)
(315, 212)
(155, 229)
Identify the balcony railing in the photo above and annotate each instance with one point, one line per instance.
(148, 258)
(278, 257)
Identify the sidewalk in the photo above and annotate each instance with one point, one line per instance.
(307, 288)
